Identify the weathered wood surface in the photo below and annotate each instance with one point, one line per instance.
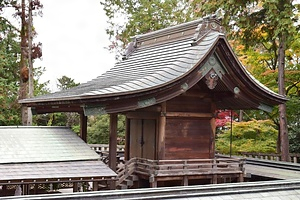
(182, 169)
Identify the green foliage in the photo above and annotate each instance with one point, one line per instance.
(129, 18)
(252, 136)
(98, 129)
(9, 79)
(65, 83)
(294, 124)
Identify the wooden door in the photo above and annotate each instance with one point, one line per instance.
(142, 138)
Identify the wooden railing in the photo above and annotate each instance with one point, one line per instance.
(188, 167)
(126, 170)
(105, 147)
(294, 158)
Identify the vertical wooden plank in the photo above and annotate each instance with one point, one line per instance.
(135, 148)
(83, 127)
(113, 141)
(149, 147)
(162, 132)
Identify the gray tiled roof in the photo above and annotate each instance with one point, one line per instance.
(30, 153)
(147, 67)
(25, 144)
(156, 61)
(54, 170)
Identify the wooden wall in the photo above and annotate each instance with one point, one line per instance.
(187, 138)
(188, 131)
(181, 128)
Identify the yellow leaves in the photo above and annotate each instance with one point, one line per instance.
(268, 72)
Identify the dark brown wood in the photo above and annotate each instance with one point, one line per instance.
(127, 140)
(213, 132)
(83, 127)
(187, 138)
(95, 186)
(189, 114)
(162, 133)
(113, 141)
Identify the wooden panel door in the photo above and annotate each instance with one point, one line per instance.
(142, 138)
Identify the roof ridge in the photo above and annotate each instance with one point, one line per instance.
(197, 27)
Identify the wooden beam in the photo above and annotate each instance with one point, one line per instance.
(161, 133)
(83, 127)
(189, 114)
(113, 141)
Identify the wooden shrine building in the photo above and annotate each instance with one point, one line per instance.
(169, 85)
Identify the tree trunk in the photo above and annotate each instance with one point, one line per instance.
(284, 140)
(30, 64)
(23, 68)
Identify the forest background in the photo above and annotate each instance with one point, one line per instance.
(257, 31)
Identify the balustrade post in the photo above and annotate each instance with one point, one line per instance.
(214, 169)
(295, 159)
(185, 180)
(95, 186)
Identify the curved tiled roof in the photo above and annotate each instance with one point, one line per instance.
(147, 67)
(157, 60)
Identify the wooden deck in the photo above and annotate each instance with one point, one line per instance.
(156, 171)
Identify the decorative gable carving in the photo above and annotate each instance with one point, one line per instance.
(207, 24)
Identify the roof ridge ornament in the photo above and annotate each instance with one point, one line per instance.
(207, 24)
(131, 47)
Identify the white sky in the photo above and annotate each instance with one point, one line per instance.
(73, 36)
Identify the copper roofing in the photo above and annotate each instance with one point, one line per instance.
(47, 153)
(24, 144)
(156, 61)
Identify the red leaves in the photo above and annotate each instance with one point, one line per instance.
(224, 116)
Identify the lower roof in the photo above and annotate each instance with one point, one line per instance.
(32, 154)
(27, 144)
(71, 171)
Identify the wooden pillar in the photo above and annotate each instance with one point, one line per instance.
(112, 184)
(241, 177)
(152, 181)
(25, 189)
(127, 139)
(83, 127)
(75, 187)
(113, 141)
(95, 186)
(162, 132)
(185, 181)
(213, 132)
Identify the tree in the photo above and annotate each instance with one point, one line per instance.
(274, 18)
(129, 18)
(65, 83)
(257, 136)
(22, 53)
(9, 51)
(98, 129)
(68, 119)
(29, 51)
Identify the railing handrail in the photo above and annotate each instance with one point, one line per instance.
(294, 157)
